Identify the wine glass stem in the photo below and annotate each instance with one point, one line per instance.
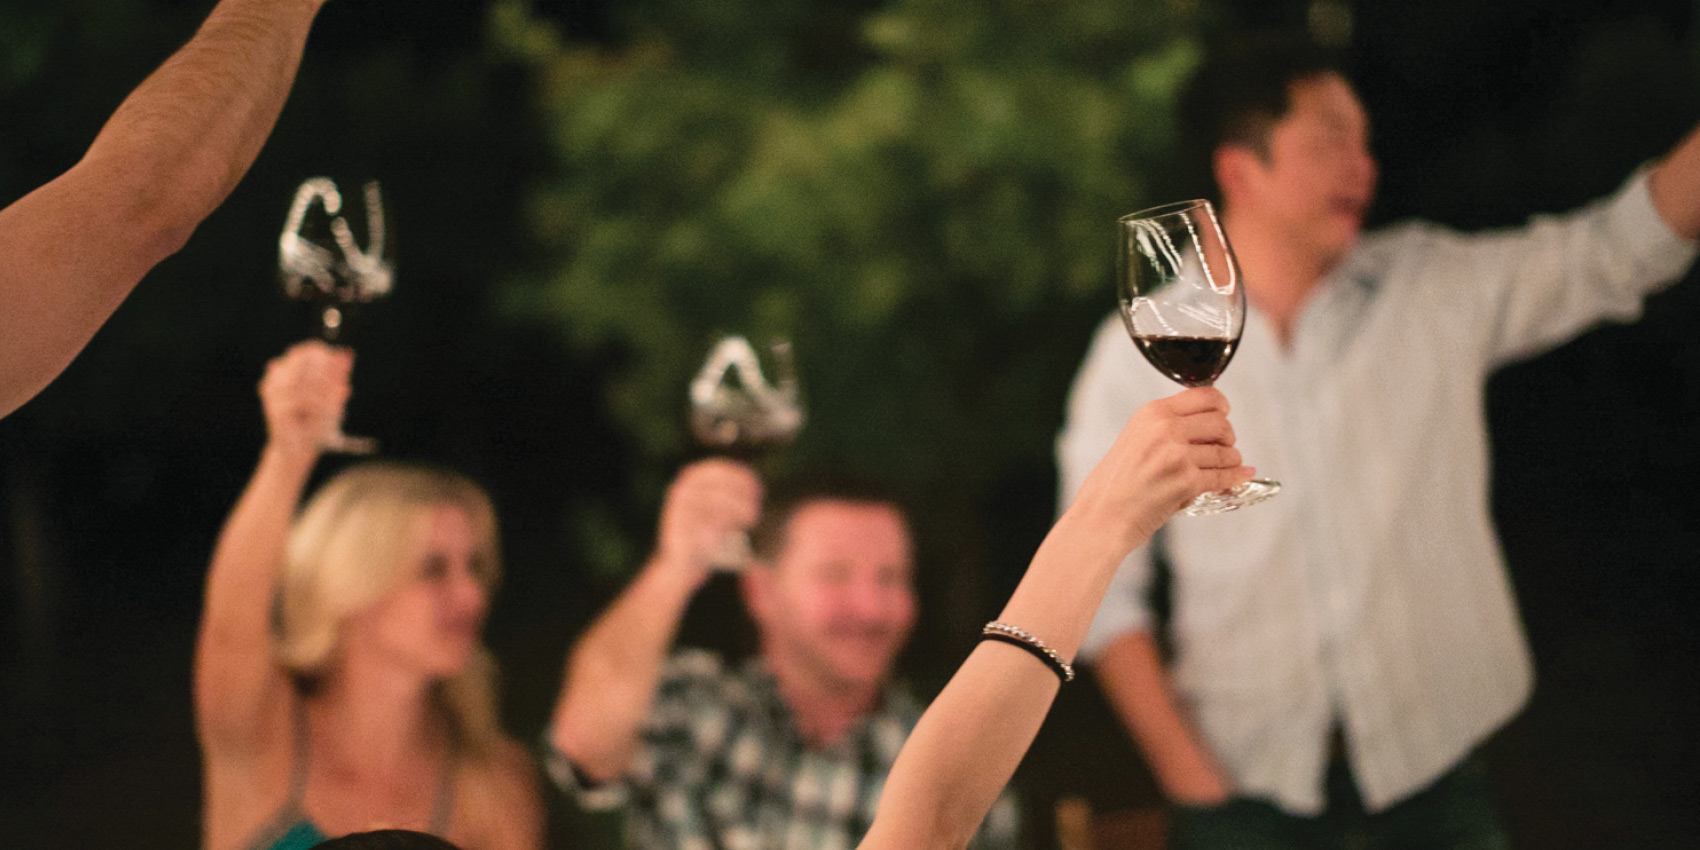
(330, 323)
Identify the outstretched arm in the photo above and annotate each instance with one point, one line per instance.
(615, 668)
(970, 740)
(238, 684)
(73, 249)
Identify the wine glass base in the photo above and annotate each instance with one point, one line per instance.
(734, 554)
(1232, 499)
(346, 444)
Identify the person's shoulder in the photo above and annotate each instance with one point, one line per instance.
(1401, 249)
(1400, 235)
(1108, 333)
(508, 800)
(696, 676)
(507, 771)
(512, 762)
(692, 663)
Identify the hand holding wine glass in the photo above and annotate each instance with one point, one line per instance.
(737, 412)
(321, 262)
(1182, 302)
(303, 394)
(708, 502)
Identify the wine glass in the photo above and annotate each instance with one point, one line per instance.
(320, 262)
(737, 412)
(1183, 304)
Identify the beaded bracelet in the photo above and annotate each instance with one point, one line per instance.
(1017, 636)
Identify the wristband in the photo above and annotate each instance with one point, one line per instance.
(1019, 637)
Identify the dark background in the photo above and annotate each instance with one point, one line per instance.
(114, 481)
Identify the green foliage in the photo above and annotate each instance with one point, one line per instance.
(23, 45)
(921, 196)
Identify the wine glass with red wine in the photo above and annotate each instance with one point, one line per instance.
(738, 411)
(1182, 302)
(321, 262)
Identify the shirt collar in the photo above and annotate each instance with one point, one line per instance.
(884, 728)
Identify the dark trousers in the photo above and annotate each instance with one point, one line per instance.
(1454, 813)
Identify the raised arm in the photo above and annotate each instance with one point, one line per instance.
(615, 667)
(1675, 185)
(1119, 647)
(970, 740)
(1514, 293)
(238, 685)
(73, 249)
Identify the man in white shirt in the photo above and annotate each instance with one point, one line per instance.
(1340, 650)
(72, 250)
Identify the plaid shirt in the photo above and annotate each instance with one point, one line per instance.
(721, 766)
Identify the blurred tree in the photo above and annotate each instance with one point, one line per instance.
(23, 44)
(920, 194)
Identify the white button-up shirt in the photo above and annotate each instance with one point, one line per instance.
(1370, 591)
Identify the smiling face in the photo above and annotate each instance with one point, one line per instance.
(430, 623)
(1315, 179)
(837, 603)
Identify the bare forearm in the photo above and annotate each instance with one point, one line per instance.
(1675, 186)
(614, 670)
(73, 249)
(971, 739)
(190, 131)
(1132, 675)
(963, 752)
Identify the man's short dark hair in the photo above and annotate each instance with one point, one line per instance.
(791, 494)
(1243, 87)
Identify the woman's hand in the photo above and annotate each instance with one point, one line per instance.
(1170, 452)
(304, 392)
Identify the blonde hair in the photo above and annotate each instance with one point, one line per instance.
(362, 536)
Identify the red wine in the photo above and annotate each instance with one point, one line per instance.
(1191, 360)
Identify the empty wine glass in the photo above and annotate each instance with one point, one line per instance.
(320, 262)
(737, 411)
(1182, 302)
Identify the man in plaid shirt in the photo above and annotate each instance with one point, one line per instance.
(788, 750)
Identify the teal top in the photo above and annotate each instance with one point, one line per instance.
(302, 836)
(291, 829)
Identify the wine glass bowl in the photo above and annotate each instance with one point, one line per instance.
(1182, 302)
(1180, 295)
(735, 409)
(333, 279)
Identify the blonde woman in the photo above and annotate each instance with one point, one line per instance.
(340, 682)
